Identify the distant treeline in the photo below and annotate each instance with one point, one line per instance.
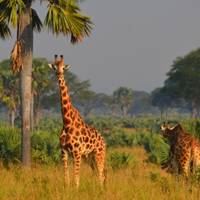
(180, 93)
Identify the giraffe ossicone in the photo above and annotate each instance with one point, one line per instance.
(77, 137)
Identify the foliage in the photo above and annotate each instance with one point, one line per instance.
(4, 30)
(44, 144)
(45, 147)
(9, 84)
(9, 145)
(118, 160)
(183, 80)
(123, 97)
(161, 99)
(64, 17)
(45, 140)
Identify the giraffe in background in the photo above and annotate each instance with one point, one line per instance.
(77, 137)
(184, 150)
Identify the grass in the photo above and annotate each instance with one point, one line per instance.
(140, 181)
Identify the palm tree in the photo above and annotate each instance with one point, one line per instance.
(123, 97)
(9, 95)
(63, 17)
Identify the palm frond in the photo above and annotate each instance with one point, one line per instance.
(37, 24)
(11, 10)
(64, 17)
(4, 30)
(16, 57)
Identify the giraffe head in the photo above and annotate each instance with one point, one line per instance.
(59, 65)
(168, 131)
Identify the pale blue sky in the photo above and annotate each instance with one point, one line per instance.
(133, 42)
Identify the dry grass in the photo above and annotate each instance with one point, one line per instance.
(142, 181)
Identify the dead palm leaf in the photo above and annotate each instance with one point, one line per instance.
(16, 57)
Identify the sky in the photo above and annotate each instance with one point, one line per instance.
(133, 43)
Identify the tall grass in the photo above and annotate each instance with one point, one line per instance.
(141, 181)
(135, 151)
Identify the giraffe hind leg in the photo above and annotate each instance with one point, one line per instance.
(196, 162)
(185, 167)
(66, 168)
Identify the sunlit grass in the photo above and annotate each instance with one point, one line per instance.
(139, 181)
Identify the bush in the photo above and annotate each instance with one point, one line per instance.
(10, 145)
(119, 160)
(51, 125)
(45, 147)
(157, 148)
(45, 140)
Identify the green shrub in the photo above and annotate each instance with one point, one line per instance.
(156, 146)
(51, 125)
(45, 147)
(10, 147)
(119, 160)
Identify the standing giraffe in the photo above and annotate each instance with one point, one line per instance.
(76, 136)
(184, 150)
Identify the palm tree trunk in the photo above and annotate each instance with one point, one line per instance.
(26, 38)
(12, 118)
(32, 112)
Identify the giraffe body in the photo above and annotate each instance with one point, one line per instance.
(184, 150)
(77, 138)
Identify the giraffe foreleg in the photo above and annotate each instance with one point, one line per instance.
(66, 168)
(100, 161)
(77, 164)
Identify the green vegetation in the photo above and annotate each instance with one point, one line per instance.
(138, 180)
(134, 154)
(62, 17)
(130, 132)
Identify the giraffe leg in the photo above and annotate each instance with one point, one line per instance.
(65, 163)
(185, 167)
(100, 161)
(77, 164)
(196, 161)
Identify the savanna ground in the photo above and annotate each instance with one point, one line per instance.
(133, 170)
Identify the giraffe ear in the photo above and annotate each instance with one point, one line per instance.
(163, 127)
(52, 66)
(67, 67)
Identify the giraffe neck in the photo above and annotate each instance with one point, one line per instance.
(66, 105)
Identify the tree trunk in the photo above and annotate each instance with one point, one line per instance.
(12, 118)
(26, 38)
(32, 112)
(193, 110)
(37, 115)
(124, 110)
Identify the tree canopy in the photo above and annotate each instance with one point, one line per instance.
(123, 97)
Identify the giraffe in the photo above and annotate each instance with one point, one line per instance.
(77, 138)
(184, 150)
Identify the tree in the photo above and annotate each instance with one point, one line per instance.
(183, 80)
(142, 104)
(63, 17)
(9, 95)
(79, 92)
(94, 101)
(123, 97)
(161, 99)
(42, 86)
(4, 30)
